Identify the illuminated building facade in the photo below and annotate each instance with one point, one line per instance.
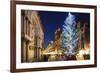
(32, 36)
(54, 51)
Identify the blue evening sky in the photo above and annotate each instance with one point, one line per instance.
(52, 20)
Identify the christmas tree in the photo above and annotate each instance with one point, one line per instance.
(69, 35)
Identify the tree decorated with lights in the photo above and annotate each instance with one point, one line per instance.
(69, 35)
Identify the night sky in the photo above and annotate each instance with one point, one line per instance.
(52, 20)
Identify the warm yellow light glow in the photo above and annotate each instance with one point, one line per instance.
(80, 55)
(81, 52)
(87, 51)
